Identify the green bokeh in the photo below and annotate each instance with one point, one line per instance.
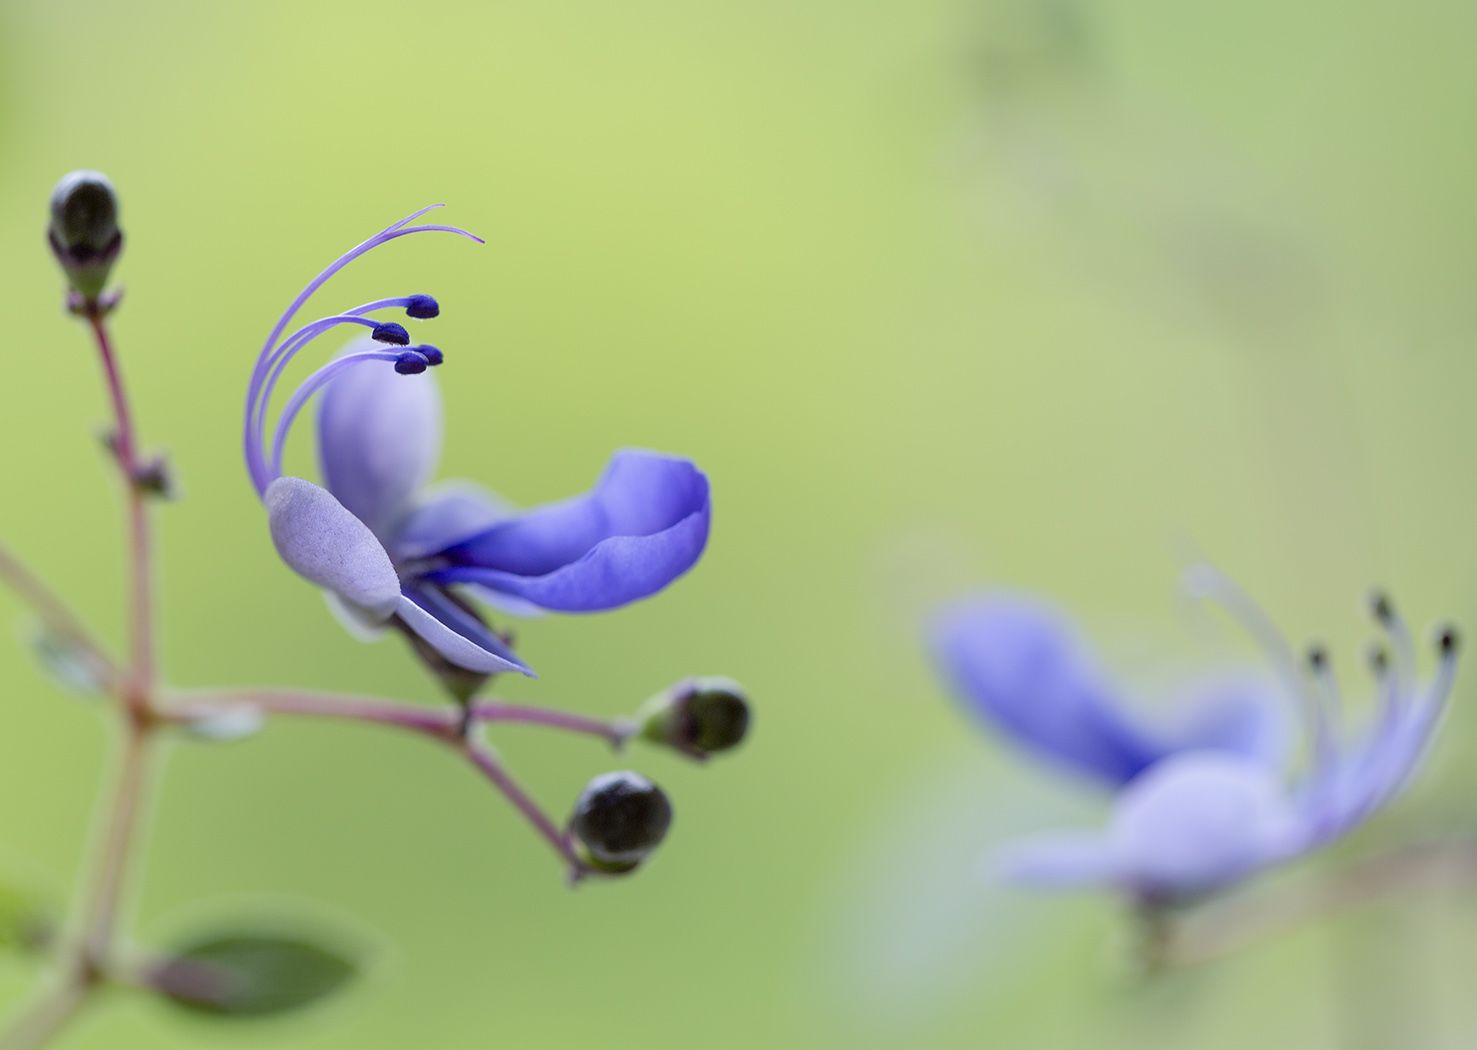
(1056, 294)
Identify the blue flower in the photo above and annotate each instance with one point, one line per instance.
(1204, 802)
(390, 550)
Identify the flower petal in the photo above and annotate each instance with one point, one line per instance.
(379, 438)
(1057, 862)
(1018, 667)
(455, 635)
(325, 543)
(1240, 716)
(444, 515)
(1200, 820)
(644, 524)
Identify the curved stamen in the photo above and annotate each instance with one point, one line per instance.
(254, 432)
(1325, 773)
(1209, 584)
(254, 456)
(314, 383)
(1401, 645)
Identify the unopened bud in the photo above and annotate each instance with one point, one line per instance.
(697, 716)
(84, 232)
(618, 820)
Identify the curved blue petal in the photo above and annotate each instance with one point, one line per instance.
(457, 636)
(445, 515)
(644, 524)
(1199, 821)
(323, 542)
(379, 439)
(1018, 667)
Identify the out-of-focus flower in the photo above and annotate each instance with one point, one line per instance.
(390, 551)
(1203, 804)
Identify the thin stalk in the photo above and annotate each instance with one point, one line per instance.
(141, 606)
(442, 726)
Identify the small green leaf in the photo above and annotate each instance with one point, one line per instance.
(69, 665)
(252, 974)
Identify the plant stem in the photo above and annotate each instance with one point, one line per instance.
(84, 966)
(438, 725)
(1224, 929)
(201, 704)
(488, 763)
(47, 1016)
(141, 608)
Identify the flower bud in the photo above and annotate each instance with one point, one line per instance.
(84, 232)
(697, 716)
(619, 819)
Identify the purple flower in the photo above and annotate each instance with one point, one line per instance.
(1207, 801)
(389, 550)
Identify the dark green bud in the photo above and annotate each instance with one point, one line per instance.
(619, 819)
(84, 232)
(697, 716)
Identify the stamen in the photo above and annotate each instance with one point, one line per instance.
(293, 345)
(392, 333)
(1209, 584)
(422, 307)
(411, 363)
(432, 354)
(1329, 707)
(1400, 641)
(251, 437)
(313, 384)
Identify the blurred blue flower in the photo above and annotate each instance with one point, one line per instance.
(1204, 802)
(390, 550)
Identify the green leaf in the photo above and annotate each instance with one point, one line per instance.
(252, 974)
(69, 665)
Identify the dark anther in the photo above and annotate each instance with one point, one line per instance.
(1317, 657)
(391, 333)
(1379, 604)
(1379, 659)
(432, 354)
(410, 363)
(1448, 640)
(422, 307)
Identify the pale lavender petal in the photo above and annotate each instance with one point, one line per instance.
(379, 439)
(1199, 821)
(1241, 716)
(1058, 862)
(644, 524)
(457, 636)
(1017, 666)
(323, 542)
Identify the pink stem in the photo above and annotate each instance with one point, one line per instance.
(442, 726)
(141, 605)
(483, 758)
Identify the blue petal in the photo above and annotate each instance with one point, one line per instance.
(1199, 821)
(456, 635)
(445, 515)
(1017, 666)
(1240, 716)
(644, 524)
(323, 542)
(379, 438)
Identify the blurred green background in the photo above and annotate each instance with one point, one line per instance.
(1049, 293)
